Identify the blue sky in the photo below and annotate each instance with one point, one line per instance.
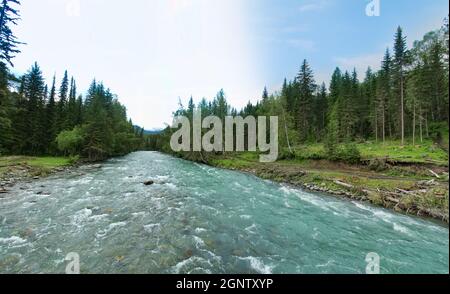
(151, 52)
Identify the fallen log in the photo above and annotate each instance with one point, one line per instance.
(407, 192)
(395, 200)
(344, 184)
(434, 174)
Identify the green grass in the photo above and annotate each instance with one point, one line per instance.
(44, 162)
(425, 152)
(39, 165)
(49, 162)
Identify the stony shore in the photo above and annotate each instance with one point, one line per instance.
(419, 196)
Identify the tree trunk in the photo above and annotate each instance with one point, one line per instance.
(286, 131)
(402, 109)
(376, 125)
(421, 129)
(384, 126)
(414, 123)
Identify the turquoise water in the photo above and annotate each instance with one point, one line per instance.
(198, 219)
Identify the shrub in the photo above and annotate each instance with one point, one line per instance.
(350, 153)
(286, 154)
(70, 142)
(378, 164)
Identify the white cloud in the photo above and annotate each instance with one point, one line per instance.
(361, 62)
(313, 6)
(164, 50)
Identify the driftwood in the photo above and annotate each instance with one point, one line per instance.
(344, 184)
(432, 213)
(395, 200)
(412, 193)
(434, 174)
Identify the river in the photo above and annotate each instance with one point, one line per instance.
(199, 219)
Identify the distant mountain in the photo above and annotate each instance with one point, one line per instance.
(150, 132)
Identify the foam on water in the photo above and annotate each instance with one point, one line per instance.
(199, 219)
(258, 265)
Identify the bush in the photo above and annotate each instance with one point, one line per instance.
(348, 153)
(378, 165)
(437, 131)
(70, 142)
(74, 159)
(286, 155)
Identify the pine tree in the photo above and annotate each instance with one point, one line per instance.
(61, 117)
(370, 112)
(384, 90)
(265, 95)
(400, 61)
(50, 116)
(72, 106)
(306, 88)
(34, 94)
(5, 105)
(321, 110)
(8, 41)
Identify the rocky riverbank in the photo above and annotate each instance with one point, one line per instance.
(414, 190)
(18, 169)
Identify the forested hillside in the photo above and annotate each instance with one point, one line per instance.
(37, 118)
(406, 101)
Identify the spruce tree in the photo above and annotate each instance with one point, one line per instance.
(34, 94)
(61, 120)
(400, 61)
(8, 41)
(306, 88)
(50, 116)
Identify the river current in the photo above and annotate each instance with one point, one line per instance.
(199, 219)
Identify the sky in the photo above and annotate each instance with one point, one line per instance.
(151, 53)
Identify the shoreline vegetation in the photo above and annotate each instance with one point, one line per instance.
(382, 137)
(417, 189)
(14, 169)
(414, 188)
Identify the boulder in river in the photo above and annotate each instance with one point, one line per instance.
(149, 182)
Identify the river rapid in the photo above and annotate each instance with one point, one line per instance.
(199, 219)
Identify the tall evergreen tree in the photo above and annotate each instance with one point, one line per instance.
(34, 94)
(400, 61)
(306, 88)
(61, 117)
(8, 41)
(50, 116)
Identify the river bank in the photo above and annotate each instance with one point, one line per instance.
(413, 189)
(15, 169)
(196, 219)
(420, 190)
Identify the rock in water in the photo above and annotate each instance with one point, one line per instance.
(149, 183)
